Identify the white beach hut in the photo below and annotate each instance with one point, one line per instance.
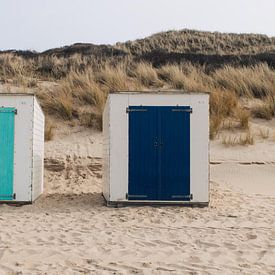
(21, 148)
(156, 148)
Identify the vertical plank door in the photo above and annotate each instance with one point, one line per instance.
(174, 150)
(6, 153)
(143, 153)
(159, 153)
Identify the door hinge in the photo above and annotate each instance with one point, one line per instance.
(190, 110)
(189, 197)
(126, 196)
(8, 111)
(128, 110)
(13, 196)
(136, 196)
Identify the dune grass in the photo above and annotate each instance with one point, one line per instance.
(84, 83)
(256, 81)
(241, 139)
(146, 75)
(49, 129)
(266, 110)
(192, 41)
(264, 133)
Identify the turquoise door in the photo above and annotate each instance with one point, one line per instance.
(6, 153)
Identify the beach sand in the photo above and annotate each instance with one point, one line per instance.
(68, 230)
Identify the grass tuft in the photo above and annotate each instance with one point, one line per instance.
(147, 75)
(266, 110)
(91, 119)
(243, 139)
(113, 78)
(59, 102)
(49, 129)
(264, 133)
(243, 117)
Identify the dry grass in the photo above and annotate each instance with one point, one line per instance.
(91, 119)
(11, 66)
(242, 139)
(49, 129)
(243, 117)
(266, 110)
(223, 103)
(191, 41)
(172, 74)
(84, 87)
(85, 74)
(264, 133)
(113, 78)
(84, 82)
(58, 103)
(247, 139)
(215, 126)
(75, 91)
(147, 75)
(257, 81)
(17, 71)
(186, 77)
(226, 113)
(222, 106)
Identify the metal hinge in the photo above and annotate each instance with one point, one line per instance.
(190, 110)
(128, 110)
(136, 196)
(190, 197)
(13, 196)
(9, 111)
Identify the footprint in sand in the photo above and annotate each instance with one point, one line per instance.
(2, 251)
(194, 259)
(251, 236)
(230, 246)
(207, 244)
(215, 254)
(261, 254)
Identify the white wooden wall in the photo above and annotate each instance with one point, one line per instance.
(106, 150)
(38, 151)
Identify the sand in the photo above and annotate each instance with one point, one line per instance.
(70, 231)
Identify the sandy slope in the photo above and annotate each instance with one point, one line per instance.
(70, 231)
(250, 169)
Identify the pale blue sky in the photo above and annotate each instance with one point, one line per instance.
(43, 24)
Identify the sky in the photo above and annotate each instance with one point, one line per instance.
(43, 24)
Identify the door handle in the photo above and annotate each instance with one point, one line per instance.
(156, 144)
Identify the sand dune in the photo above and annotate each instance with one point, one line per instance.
(70, 231)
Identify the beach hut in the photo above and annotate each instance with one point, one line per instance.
(156, 148)
(21, 148)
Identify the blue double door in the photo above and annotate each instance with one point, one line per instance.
(159, 153)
